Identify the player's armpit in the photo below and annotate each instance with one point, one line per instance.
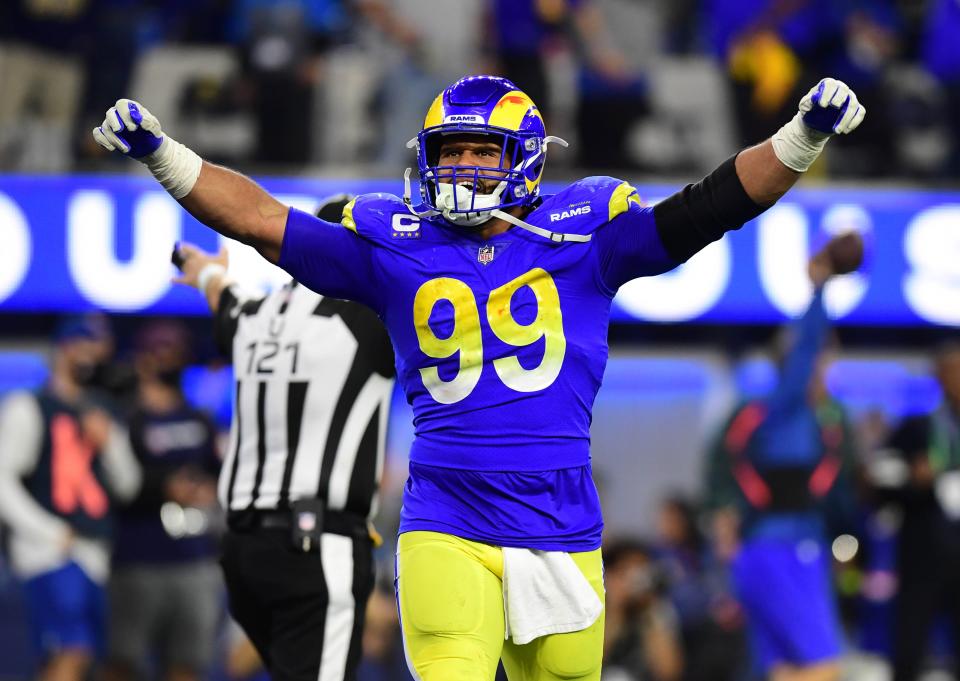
(330, 259)
(701, 213)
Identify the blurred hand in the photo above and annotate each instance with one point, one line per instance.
(129, 128)
(179, 487)
(66, 542)
(194, 260)
(189, 489)
(204, 494)
(843, 254)
(921, 472)
(96, 426)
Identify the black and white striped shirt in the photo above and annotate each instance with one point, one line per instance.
(314, 377)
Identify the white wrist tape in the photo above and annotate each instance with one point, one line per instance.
(209, 271)
(175, 166)
(797, 145)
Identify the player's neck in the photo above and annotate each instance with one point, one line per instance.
(495, 226)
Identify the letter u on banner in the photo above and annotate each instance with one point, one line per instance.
(91, 249)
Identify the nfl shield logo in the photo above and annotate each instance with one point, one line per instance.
(306, 522)
(485, 256)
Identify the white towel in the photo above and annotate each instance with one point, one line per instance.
(544, 592)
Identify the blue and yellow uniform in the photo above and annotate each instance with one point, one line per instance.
(500, 347)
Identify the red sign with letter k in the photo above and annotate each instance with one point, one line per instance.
(74, 484)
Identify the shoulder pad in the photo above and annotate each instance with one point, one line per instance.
(377, 216)
(586, 205)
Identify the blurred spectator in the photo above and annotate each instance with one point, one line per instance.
(761, 43)
(419, 59)
(781, 464)
(165, 593)
(282, 42)
(680, 550)
(941, 56)
(866, 44)
(641, 633)
(613, 90)
(709, 619)
(62, 463)
(42, 46)
(383, 658)
(922, 478)
(521, 34)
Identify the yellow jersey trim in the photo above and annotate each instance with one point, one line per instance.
(347, 219)
(620, 200)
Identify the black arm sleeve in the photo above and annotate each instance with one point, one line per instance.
(701, 213)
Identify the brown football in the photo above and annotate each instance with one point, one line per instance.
(845, 252)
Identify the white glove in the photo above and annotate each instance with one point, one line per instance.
(830, 108)
(129, 128)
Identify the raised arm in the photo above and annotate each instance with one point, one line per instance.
(769, 169)
(743, 187)
(220, 198)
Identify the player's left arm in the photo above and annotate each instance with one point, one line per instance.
(743, 187)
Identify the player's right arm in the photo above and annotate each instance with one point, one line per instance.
(322, 255)
(237, 207)
(220, 198)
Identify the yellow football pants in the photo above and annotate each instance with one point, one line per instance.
(450, 592)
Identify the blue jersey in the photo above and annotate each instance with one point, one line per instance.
(500, 348)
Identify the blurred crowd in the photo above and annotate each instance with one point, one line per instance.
(888, 528)
(654, 86)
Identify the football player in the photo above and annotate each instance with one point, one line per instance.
(497, 301)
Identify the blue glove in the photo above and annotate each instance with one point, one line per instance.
(129, 128)
(831, 108)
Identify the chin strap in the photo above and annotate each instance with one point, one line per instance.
(556, 237)
(425, 213)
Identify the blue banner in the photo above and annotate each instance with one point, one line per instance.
(81, 242)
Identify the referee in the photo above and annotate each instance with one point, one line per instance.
(314, 377)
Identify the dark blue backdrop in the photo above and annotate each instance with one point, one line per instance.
(73, 243)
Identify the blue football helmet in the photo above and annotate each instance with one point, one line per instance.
(495, 108)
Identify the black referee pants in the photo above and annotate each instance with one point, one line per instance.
(304, 612)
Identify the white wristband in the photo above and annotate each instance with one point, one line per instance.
(209, 271)
(797, 145)
(175, 166)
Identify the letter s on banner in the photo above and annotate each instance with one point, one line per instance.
(931, 244)
(16, 244)
(91, 252)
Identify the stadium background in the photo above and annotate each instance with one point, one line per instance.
(315, 98)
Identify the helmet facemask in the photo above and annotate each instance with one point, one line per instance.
(466, 195)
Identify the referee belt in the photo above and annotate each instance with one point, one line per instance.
(334, 522)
